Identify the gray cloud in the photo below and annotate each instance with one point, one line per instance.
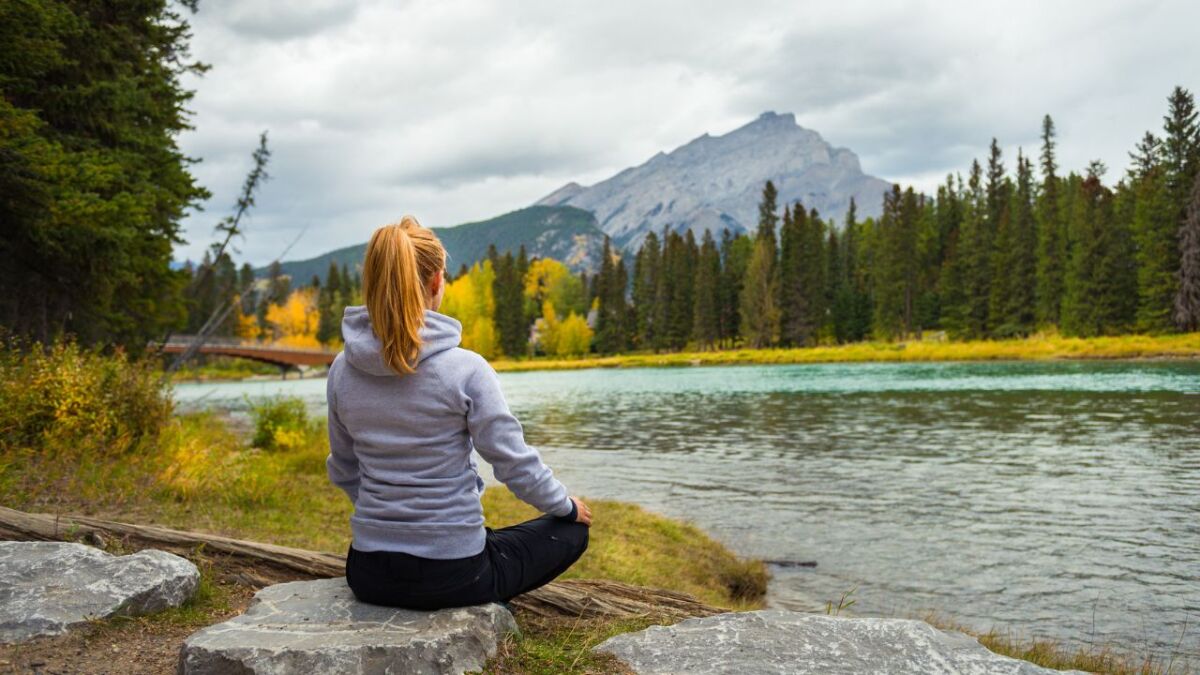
(457, 110)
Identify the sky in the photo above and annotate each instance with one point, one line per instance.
(461, 110)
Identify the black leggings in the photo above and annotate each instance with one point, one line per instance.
(514, 560)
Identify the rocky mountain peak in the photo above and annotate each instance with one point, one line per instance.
(714, 182)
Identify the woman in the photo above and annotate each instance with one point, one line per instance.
(406, 407)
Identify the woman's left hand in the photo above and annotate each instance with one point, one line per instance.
(582, 513)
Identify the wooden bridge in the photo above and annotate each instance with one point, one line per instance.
(285, 357)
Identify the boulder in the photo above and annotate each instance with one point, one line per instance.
(318, 627)
(780, 641)
(47, 587)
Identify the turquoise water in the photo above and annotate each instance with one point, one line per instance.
(1054, 499)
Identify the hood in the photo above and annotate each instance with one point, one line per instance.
(362, 350)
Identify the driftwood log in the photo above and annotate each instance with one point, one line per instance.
(258, 564)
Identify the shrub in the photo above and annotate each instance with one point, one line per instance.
(63, 398)
(281, 423)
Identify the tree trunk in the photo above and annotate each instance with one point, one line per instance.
(258, 564)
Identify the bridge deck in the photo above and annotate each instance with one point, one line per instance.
(279, 356)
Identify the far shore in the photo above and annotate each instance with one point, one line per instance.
(1185, 347)
(1038, 348)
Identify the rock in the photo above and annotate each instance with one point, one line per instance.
(47, 587)
(318, 627)
(779, 641)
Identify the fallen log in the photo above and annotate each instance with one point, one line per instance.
(259, 564)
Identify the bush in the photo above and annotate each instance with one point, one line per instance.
(63, 398)
(281, 423)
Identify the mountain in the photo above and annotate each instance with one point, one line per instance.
(561, 232)
(715, 182)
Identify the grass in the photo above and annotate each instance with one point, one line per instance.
(219, 368)
(1060, 656)
(205, 477)
(1040, 347)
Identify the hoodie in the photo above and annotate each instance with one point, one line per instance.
(400, 445)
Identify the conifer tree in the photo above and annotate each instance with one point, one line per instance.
(1181, 146)
(611, 311)
(1187, 297)
(975, 250)
(680, 252)
(1155, 233)
(814, 271)
(735, 258)
(512, 327)
(646, 268)
(329, 312)
(706, 314)
(760, 314)
(794, 325)
(1051, 240)
(1099, 285)
(1011, 305)
(759, 300)
(834, 279)
(895, 273)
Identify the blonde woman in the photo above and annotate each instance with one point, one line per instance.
(407, 406)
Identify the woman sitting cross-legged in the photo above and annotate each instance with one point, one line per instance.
(407, 406)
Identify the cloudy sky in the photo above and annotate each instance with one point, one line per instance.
(459, 110)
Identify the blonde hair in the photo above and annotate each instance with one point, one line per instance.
(401, 260)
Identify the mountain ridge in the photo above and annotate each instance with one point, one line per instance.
(710, 183)
(564, 233)
(715, 182)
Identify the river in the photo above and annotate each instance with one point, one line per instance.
(1051, 499)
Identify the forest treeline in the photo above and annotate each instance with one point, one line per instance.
(997, 254)
(93, 187)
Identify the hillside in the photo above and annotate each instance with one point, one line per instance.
(561, 232)
(715, 182)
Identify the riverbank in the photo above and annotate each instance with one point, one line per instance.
(1034, 348)
(205, 477)
(98, 439)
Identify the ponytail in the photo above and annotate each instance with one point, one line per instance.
(401, 260)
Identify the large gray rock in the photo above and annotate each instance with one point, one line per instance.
(318, 627)
(779, 641)
(47, 587)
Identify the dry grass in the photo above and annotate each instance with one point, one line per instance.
(1059, 656)
(1040, 347)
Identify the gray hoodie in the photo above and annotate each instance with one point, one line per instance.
(400, 445)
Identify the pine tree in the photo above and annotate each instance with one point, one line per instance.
(760, 314)
(794, 319)
(1051, 240)
(1187, 297)
(814, 270)
(328, 310)
(647, 266)
(706, 313)
(1155, 232)
(976, 247)
(1181, 145)
(1011, 303)
(611, 310)
(759, 300)
(845, 277)
(679, 272)
(1099, 281)
(834, 281)
(895, 274)
(735, 258)
(512, 326)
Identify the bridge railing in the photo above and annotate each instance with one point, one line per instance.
(187, 340)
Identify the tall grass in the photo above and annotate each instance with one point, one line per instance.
(1040, 347)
